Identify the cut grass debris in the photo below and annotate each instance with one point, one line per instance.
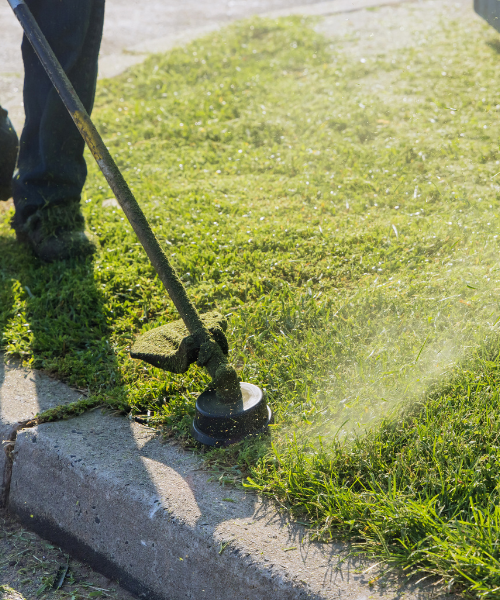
(347, 228)
(31, 568)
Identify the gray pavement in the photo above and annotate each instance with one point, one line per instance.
(132, 32)
(130, 27)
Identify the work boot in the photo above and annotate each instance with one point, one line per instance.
(9, 145)
(56, 233)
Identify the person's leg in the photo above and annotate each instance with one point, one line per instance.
(8, 154)
(51, 168)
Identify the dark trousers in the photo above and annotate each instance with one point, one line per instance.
(51, 168)
(8, 154)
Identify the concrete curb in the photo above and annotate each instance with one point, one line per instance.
(146, 513)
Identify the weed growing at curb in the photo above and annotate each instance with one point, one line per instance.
(347, 229)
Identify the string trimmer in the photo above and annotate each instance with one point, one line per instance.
(229, 409)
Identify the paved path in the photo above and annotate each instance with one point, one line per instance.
(132, 32)
(130, 26)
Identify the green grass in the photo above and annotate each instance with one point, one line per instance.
(348, 231)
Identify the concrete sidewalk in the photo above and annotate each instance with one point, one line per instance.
(133, 30)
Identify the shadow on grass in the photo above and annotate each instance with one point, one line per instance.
(53, 318)
(494, 44)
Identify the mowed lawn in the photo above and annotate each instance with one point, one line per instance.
(343, 214)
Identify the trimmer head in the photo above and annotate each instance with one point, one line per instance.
(217, 422)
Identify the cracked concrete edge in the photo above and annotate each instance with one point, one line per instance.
(7, 460)
(24, 393)
(148, 514)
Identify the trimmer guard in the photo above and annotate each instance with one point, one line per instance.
(171, 347)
